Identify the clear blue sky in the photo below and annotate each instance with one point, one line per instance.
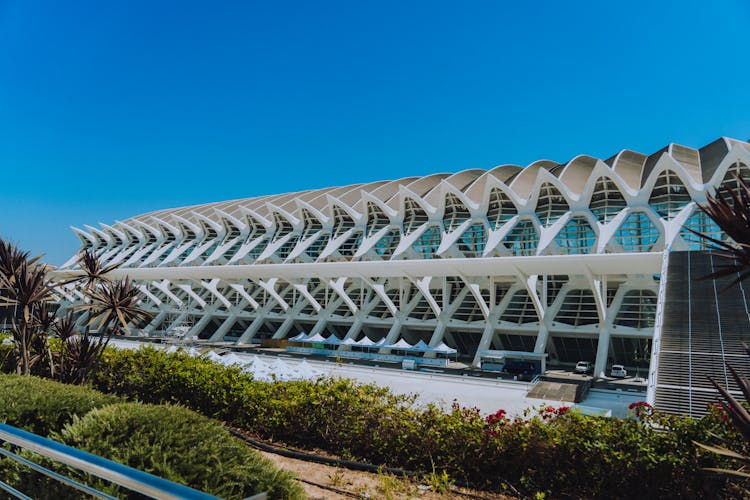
(111, 109)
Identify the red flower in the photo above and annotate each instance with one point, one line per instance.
(641, 409)
(497, 417)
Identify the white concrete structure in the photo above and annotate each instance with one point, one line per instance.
(562, 258)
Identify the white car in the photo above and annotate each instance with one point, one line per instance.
(618, 371)
(584, 367)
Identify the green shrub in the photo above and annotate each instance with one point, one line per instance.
(556, 454)
(563, 454)
(177, 444)
(40, 406)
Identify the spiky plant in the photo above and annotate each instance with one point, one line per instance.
(65, 326)
(43, 322)
(94, 271)
(12, 258)
(115, 304)
(739, 416)
(113, 307)
(731, 212)
(27, 291)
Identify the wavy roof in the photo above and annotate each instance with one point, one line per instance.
(633, 169)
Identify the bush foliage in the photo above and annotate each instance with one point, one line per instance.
(40, 406)
(559, 453)
(169, 441)
(180, 445)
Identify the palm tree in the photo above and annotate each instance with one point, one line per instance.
(27, 290)
(115, 304)
(11, 260)
(28, 287)
(95, 272)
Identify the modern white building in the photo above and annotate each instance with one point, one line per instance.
(565, 259)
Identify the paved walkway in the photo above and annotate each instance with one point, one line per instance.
(486, 394)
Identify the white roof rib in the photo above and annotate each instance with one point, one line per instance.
(634, 168)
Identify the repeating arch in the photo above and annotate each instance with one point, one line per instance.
(455, 213)
(669, 195)
(479, 209)
(550, 205)
(606, 200)
(500, 208)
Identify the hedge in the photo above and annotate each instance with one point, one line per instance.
(179, 445)
(550, 452)
(169, 441)
(40, 406)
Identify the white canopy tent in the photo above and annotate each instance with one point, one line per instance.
(444, 348)
(401, 345)
(422, 347)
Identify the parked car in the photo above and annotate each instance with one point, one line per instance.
(584, 367)
(618, 371)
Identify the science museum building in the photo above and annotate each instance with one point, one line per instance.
(588, 260)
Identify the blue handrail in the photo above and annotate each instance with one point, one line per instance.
(119, 474)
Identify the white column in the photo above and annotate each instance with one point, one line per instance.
(542, 338)
(199, 326)
(437, 337)
(484, 343)
(320, 324)
(158, 319)
(251, 330)
(283, 329)
(394, 332)
(602, 351)
(177, 321)
(224, 328)
(355, 328)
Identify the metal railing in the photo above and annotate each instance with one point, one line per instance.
(122, 475)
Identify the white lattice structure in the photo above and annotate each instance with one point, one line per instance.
(557, 258)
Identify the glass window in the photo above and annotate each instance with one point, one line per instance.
(387, 244)
(523, 239)
(520, 309)
(350, 246)
(283, 227)
(730, 179)
(578, 309)
(342, 222)
(376, 219)
(455, 213)
(500, 208)
(428, 242)
(576, 237)
(703, 224)
(638, 309)
(473, 240)
(311, 224)
(669, 195)
(316, 247)
(606, 200)
(551, 204)
(414, 216)
(637, 233)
